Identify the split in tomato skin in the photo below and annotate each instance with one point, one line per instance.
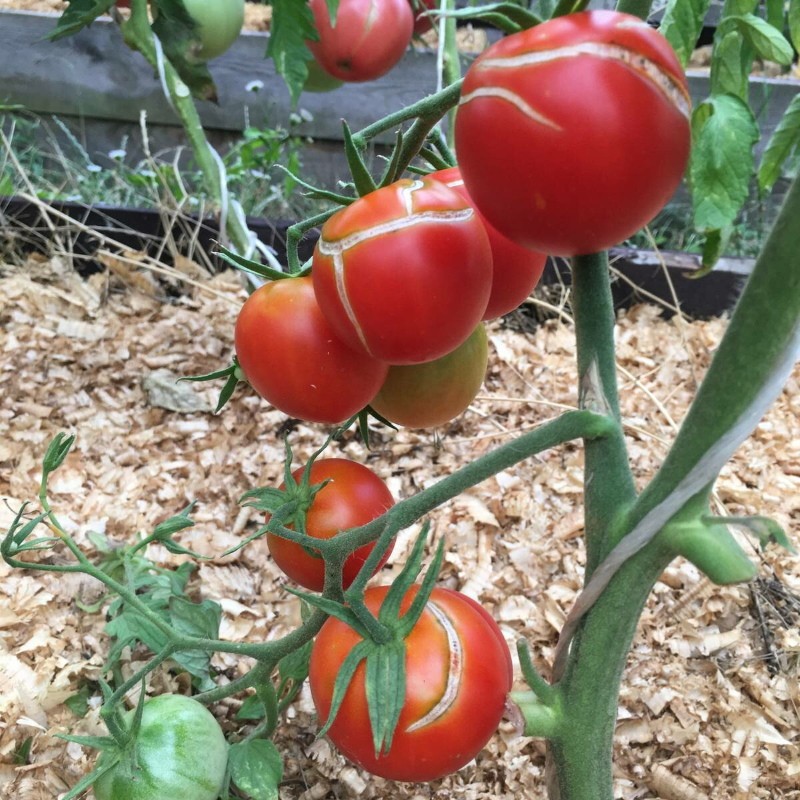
(458, 674)
(516, 270)
(292, 357)
(353, 496)
(592, 110)
(368, 38)
(404, 273)
(436, 392)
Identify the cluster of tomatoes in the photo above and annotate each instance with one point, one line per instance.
(458, 665)
(391, 315)
(570, 136)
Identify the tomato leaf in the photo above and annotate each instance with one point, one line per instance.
(292, 24)
(785, 141)
(730, 66)
(77, 15)
(385, 685)
(723, 134)
(256, 768)
(793, 19)
(681, 25)
(294, 666)
(768, 42)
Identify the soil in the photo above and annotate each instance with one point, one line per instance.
(706, 712)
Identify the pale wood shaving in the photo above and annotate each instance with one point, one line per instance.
(701, 716)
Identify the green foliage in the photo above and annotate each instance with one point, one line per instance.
(79, 14)
(723, 135)
(783, 144)
(681, 25)
(256, 768)
(292, 25)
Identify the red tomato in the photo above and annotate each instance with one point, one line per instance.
(354, 496)
(458, 673)
(515, 269)
(292, 358)
(368, 38)
(591, 111)
(404, 272)
(422, 22)
(431, 394)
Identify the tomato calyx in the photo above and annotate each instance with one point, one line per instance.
(383, 648)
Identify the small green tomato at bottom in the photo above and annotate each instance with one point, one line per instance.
(180, 754)
(435, 392)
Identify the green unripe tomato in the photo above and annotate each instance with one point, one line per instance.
(181, 754)
(219, 23)
(435, 392)
(320, 81)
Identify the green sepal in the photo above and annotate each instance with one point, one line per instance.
(390, 174)
(766, 530)
(14, 540)
(362, 179)
(252, 267)
(233, 377)
(79, 788)
(95, 742)
(343, 678)
(333, 609)
(385, 684)
(316, 192)
(712, 549)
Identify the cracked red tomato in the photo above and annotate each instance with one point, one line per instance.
(367, 38)
(404, 273)
(458, 674)
(291, 356)
(515, 269)
(353, 496)
(591, 113)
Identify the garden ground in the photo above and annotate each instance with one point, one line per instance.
(705, 711)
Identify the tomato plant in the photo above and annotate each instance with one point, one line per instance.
(318, 80)
(515, 269)
(293, 359)
(404, 273)
(353, 496)
(458, 673)
(433, 393)
(593, 113)
(180, 753)
(366, 40)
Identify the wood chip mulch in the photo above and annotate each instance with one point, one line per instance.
(708, 710)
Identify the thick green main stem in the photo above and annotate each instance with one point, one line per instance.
(608, 480)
